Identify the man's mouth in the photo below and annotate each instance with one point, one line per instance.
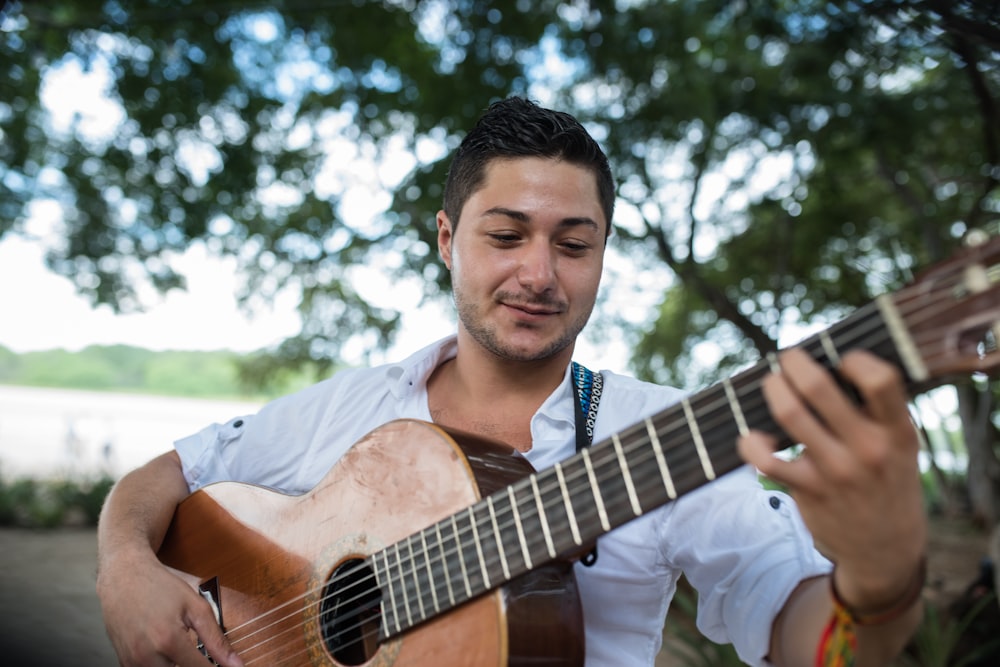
(534, 309)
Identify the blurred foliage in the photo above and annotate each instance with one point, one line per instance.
(192, 374)
(52, 503)
(957, 638)
(684, 641)
(778, 161)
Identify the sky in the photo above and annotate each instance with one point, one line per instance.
(40, 310)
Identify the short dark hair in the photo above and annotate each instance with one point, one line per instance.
(515, 128)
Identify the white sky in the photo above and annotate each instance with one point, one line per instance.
(40, 310)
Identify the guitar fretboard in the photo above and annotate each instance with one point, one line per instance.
(557, 511)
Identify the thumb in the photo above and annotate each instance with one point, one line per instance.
(203, 621)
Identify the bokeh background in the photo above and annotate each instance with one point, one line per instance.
(207, 204)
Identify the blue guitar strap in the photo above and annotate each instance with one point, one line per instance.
(587, 388)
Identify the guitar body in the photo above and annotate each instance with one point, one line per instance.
(269, 557)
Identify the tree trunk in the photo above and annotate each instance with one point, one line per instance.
(950, 500)
(976, 405)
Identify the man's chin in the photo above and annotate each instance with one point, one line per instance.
(541, 349)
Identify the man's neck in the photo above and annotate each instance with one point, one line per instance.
(479, 392)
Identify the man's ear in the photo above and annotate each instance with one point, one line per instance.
(445, 234)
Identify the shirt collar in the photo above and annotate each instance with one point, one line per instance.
(410, 375)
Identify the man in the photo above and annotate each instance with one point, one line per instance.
(527, 211)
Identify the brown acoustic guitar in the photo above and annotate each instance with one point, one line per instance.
(429, 547)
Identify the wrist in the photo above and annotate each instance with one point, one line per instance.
(878, 610)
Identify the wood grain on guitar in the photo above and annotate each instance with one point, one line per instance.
(424, 546)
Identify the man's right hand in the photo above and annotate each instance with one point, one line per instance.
(153, 617)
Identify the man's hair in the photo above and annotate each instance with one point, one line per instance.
(517, 128)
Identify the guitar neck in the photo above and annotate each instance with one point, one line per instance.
(558, 511)
(925, 329)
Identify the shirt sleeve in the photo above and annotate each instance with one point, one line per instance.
(744, 549)
(268, 448)
(203, 453)
(292, 441)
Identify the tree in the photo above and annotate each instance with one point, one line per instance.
(249, 129)
(779, 162)
(831, 96)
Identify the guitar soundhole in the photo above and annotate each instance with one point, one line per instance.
(350, 615)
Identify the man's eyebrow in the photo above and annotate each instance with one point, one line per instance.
(521, 216)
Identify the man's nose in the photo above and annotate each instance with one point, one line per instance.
(538, 267)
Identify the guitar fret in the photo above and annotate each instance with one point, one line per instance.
(905, 347)
(593, 493)
(402, 583)
(447, 575)
(496, 532)
(461, 557)
(416, 579)
(479, 547)
(629, 484)
(829, 348)
(571, 515)
(430, 572)
(520, 528)
(598, 499)
(699, 442)
(772, 362)
(668, 481)
(384, 581)
(734, 404)
(541, 517)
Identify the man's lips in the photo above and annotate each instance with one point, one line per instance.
(534, 310)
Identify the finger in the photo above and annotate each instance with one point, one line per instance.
(817, 387)
(798, 418)
(187, 654)
(880, 383)
(202, 620)
(757, 449)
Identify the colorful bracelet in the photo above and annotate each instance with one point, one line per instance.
(839, 640)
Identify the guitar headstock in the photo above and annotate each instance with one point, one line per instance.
(952, 313)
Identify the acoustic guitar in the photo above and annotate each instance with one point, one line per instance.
(424, 546)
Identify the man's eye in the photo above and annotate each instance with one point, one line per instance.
(504, 238)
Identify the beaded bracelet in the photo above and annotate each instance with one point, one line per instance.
(839, 640)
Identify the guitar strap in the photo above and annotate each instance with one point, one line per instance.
(587, 387)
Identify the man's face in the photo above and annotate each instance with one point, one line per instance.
(526, 257)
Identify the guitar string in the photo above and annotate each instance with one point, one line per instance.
(349, 628)
(292, 629)
(409, 565)
(362, 638)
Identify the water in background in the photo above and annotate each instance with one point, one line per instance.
(79, 434)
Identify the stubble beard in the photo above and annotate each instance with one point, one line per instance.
(488, 338)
